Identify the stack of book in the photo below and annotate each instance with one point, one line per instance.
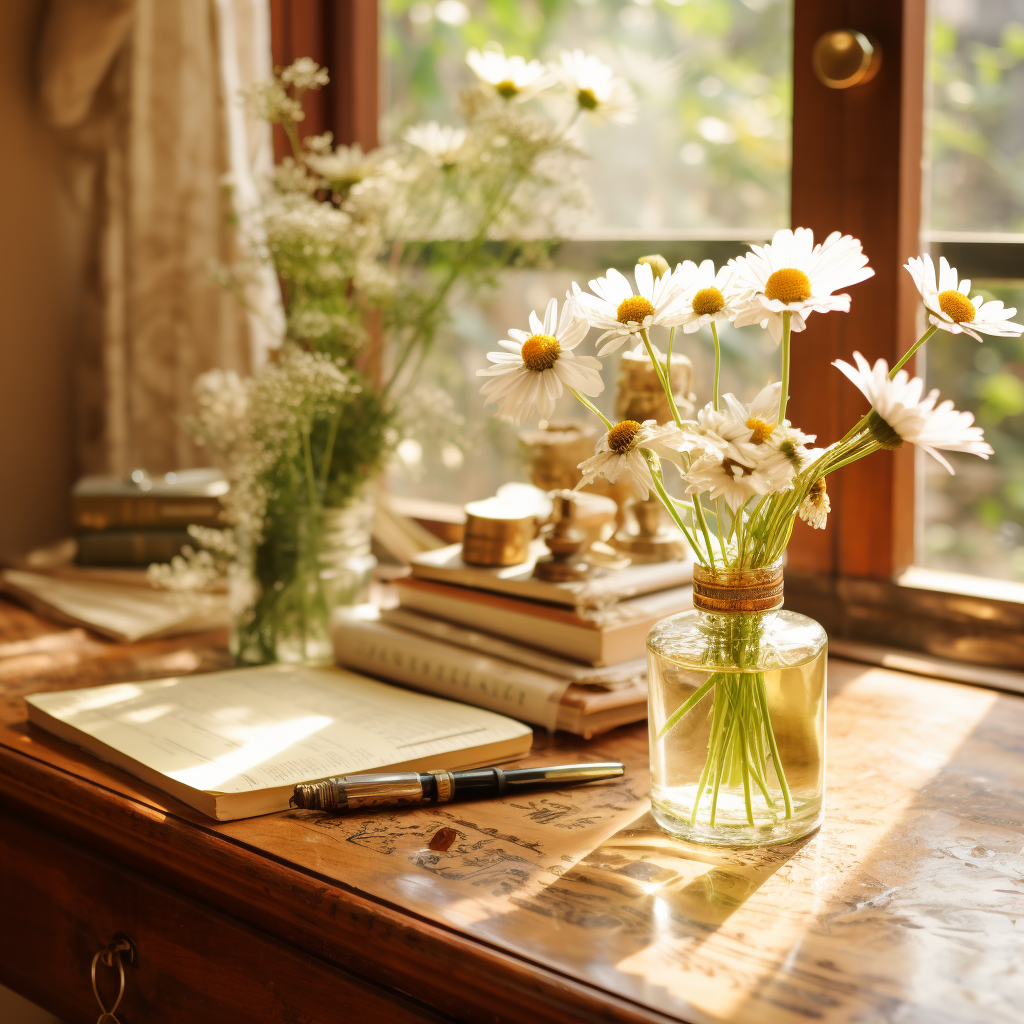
(566, 655)
(143, 519)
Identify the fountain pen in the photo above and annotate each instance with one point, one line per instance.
(395, 789)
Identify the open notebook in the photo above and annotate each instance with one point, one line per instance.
(234, 744)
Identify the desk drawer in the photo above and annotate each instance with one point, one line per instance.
(60, 904)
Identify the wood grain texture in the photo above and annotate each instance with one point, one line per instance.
(908, 906)
(857, 168)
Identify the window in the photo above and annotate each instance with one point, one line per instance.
(974, 522)
(704, 168)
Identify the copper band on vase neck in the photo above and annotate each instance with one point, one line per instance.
(737, 590)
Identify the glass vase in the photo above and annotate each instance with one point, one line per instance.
(737, 714)
(283, 589)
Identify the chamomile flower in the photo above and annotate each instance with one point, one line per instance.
(815, 507)
(951, 309)
(437, 141)
(595, 87)
(513, 78)
(705, 295)
(721, 476)
(899, 413)
(619, 453)
(621, 312)
(794, 275)
(749, 432)
(539, 364)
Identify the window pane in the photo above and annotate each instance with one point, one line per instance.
(974, 522)
(709, 154)
(977, 116)
(710, 147)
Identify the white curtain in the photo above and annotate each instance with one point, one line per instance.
(146, 92)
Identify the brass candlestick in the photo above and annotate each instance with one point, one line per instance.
(566, 541)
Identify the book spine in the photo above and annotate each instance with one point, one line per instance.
(129, 547)
(448, 671)
(96, 512)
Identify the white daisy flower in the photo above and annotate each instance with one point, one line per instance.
(513, 78)
(749, 432)
(620, 453)
(899, 413)
(950, 308)
(539, 363)
(815, 507)
(795, 275)
(724, 477)
(596, 88)
(437, 141)
(705, 295)
(621, 312)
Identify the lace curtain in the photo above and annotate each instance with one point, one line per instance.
(163, 164)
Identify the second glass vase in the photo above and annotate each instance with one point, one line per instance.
(282, 590)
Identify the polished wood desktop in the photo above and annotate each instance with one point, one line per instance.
(908, 905)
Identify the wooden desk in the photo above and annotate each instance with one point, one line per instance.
(907, 907)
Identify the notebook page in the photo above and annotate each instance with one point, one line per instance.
(251, 729)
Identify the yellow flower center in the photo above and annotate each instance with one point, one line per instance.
(622, 436)
(634, 309)
(657, 263)
(788, 285)
(507, 88)
(760, 431)
(957, 306)
(586, 99)
(708, 301)
(817, 492)
(540, 352)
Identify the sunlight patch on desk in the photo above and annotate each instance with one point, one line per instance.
(831, 909)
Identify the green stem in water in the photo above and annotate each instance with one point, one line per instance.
(718, 363)
(786, 331)
(593, 408)
(692, 701)
(910, 351)
(761, 696)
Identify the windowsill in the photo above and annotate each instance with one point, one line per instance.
(963, 619)
(940, 581)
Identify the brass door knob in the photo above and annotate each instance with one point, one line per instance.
(845, 58)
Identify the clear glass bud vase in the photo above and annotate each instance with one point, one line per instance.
(737, 714)
(283, 589)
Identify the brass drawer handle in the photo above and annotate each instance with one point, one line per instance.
(113, 955)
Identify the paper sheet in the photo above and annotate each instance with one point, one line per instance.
(252, 729)
(123, 612)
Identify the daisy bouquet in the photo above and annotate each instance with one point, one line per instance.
(741, 472)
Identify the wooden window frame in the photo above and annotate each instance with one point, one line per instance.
(856, 167)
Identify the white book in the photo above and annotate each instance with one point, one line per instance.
(608, 677)
(362, 641)
(235, 744)
(604, 587)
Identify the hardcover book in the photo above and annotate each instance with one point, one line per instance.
(596, 636)
(604, 587)
(379, 648)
